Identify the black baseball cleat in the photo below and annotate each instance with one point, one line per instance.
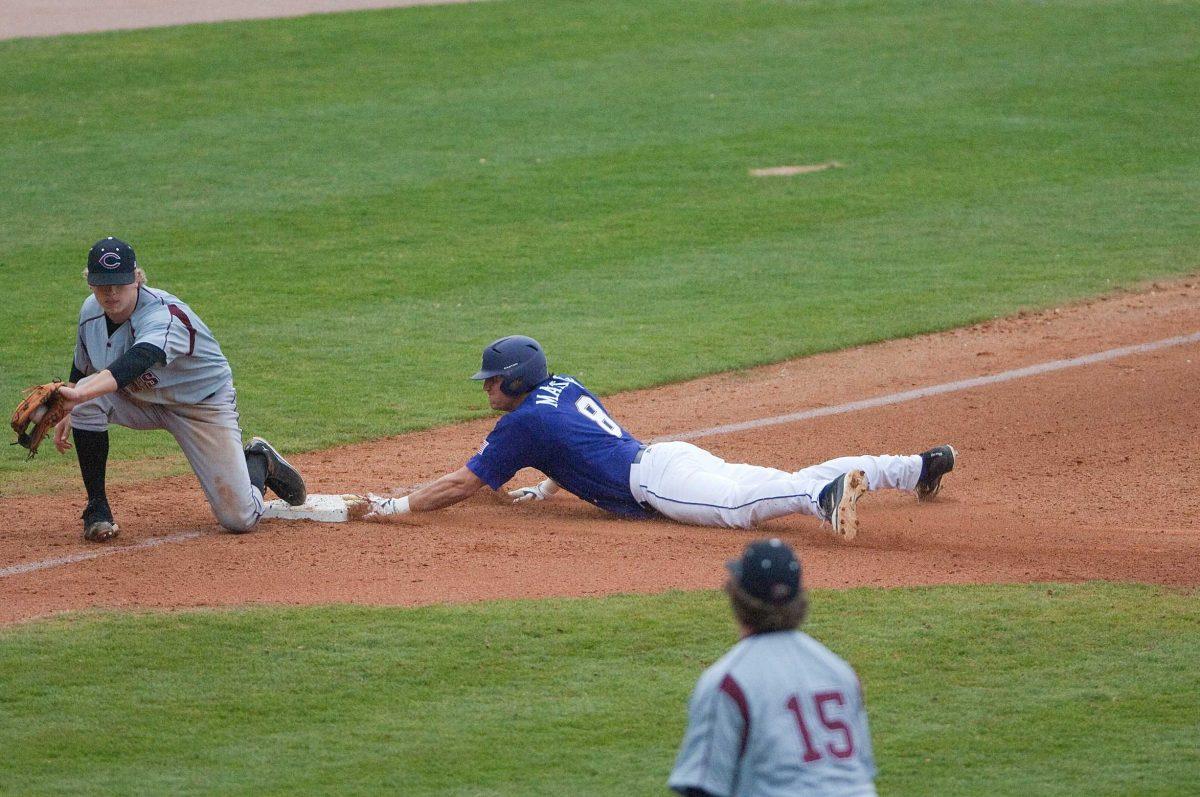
(98, 525)
(283, 479)
(839, 502)
(935, 463)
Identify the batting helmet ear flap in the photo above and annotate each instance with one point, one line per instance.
(518, 359)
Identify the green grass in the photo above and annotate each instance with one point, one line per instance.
(1036, 689)
(356, 203)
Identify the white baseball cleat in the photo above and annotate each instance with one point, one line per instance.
(839, 503)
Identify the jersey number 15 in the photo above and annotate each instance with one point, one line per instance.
(843, 748)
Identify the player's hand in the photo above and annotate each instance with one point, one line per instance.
(524, 494)
(539, 492)
(362, 507)
(357, 506)
(62, 435)
(70, 400)
(369, 506)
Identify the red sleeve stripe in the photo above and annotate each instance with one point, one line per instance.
(734, 690)
(187, 322)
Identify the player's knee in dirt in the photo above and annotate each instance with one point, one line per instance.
(237, 524)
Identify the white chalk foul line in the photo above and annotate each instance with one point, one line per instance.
(933, 390)
(43, 564)
(820, 412)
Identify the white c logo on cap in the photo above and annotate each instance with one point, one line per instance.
(110, 260)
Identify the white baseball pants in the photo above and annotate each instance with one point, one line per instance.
(211, 440)
(690, 485)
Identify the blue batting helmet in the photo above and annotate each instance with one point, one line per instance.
(520, 360)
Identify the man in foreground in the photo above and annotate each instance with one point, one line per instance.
(556, 425)
(779, 713)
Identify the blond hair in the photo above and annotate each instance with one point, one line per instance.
(760, 616)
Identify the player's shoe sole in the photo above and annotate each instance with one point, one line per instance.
(282, 478)
(935, 463)
(839, 503)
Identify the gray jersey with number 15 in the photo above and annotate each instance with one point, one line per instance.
(779, 714)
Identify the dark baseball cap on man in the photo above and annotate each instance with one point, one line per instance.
(768, 570)
(111, 262)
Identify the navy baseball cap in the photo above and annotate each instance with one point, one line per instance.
(768, 570)
(111, 262)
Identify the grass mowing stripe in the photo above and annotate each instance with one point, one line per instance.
(339, 195)
(1048, 689)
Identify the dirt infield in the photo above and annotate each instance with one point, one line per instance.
(1083, 473)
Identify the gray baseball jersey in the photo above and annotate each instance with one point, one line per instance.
(779, 714)
(191, 395)
(194, 369)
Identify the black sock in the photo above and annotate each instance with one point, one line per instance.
(256, 463)
(92, 450)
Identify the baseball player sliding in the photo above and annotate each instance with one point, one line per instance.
(556, 425)
(145, 360)
(779, 713)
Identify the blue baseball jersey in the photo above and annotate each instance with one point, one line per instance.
(564, 431)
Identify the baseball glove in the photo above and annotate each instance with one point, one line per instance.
(42, 408)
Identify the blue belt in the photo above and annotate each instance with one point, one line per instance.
(638, 456)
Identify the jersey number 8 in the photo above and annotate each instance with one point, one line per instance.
(596, 414)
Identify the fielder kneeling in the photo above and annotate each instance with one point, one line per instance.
(145, 360)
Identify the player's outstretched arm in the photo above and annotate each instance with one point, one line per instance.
(126, 368)
(446, 491)
(538, 492)
(88, 388)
